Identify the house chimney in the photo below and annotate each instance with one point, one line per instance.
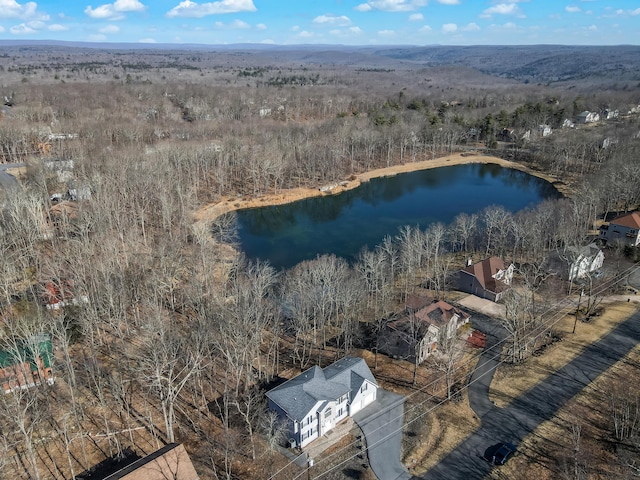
(469, 262)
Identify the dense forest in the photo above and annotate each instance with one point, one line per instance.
(168, 333)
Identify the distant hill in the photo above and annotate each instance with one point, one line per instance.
(526, 63)
(540, 63)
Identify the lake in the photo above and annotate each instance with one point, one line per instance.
(345, 223)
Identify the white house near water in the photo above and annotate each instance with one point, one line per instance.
(315, 401)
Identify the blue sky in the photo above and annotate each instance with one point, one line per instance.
(353, 22)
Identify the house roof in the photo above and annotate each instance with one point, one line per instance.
(298, 396)
(439, 313)
(588, 251)
(484, 272)
(23, 351)
(416, 302)
(630, 220)
(171, 461)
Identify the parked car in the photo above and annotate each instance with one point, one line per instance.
(503, 453)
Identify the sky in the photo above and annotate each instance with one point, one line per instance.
(348, 22)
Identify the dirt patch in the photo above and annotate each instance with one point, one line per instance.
(18, 172)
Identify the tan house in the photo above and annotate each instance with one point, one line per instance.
(171, 462)
(488, 279)
(415, 336)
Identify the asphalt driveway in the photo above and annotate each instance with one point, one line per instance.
(381, 422)
(483, 373)
(514, 422)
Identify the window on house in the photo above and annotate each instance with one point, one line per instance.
(327, 413)
(364, 387)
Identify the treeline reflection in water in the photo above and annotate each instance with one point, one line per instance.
(344, 224)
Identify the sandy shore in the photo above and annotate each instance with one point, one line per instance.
(228, 204)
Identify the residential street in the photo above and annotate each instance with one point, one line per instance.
(514, 422)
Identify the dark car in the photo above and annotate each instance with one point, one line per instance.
(503, 453)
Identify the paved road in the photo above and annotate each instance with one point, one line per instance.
(483, 373)
(6, 180)
(514, 422)
(381, 423)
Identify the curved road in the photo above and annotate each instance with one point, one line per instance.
(483, 373)
(7, 180)
(514, 422)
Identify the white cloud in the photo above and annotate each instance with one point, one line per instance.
(635, 12)
(129, 6)
(114, 11)
(305, 34)
(332, 20)
(240, 24)
(502, 9)
(449, 2)
(22, 29)
(56, 27)
(470, 27)
(572, 9)
(295, 28)
(416, 17)
(1, 29)
(386, 33)
(97, 37)
(110, 29)
(261, 26)
(268, 41)
(356, 30)
(187, 8)
(426, 28)
(593, 28)
(236, 24)
(449, 28)
(392, 5)
(147, 40)
(25, 11)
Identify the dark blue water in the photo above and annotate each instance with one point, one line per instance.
(345, 223)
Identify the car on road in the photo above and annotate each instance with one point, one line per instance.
(503, 453)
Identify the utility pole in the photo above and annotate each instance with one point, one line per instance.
(575, 321)
(310, 461)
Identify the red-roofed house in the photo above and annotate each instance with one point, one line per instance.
(416, 335)
(486, 279)
(624, 229)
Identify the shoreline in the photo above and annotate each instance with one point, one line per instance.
(211, 211)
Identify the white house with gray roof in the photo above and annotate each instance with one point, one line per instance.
(315, 401)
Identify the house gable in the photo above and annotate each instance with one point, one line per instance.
(316, 399)
(489, 278)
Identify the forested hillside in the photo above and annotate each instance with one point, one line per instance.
(163, 332)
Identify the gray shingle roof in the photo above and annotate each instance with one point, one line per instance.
(299, 395)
